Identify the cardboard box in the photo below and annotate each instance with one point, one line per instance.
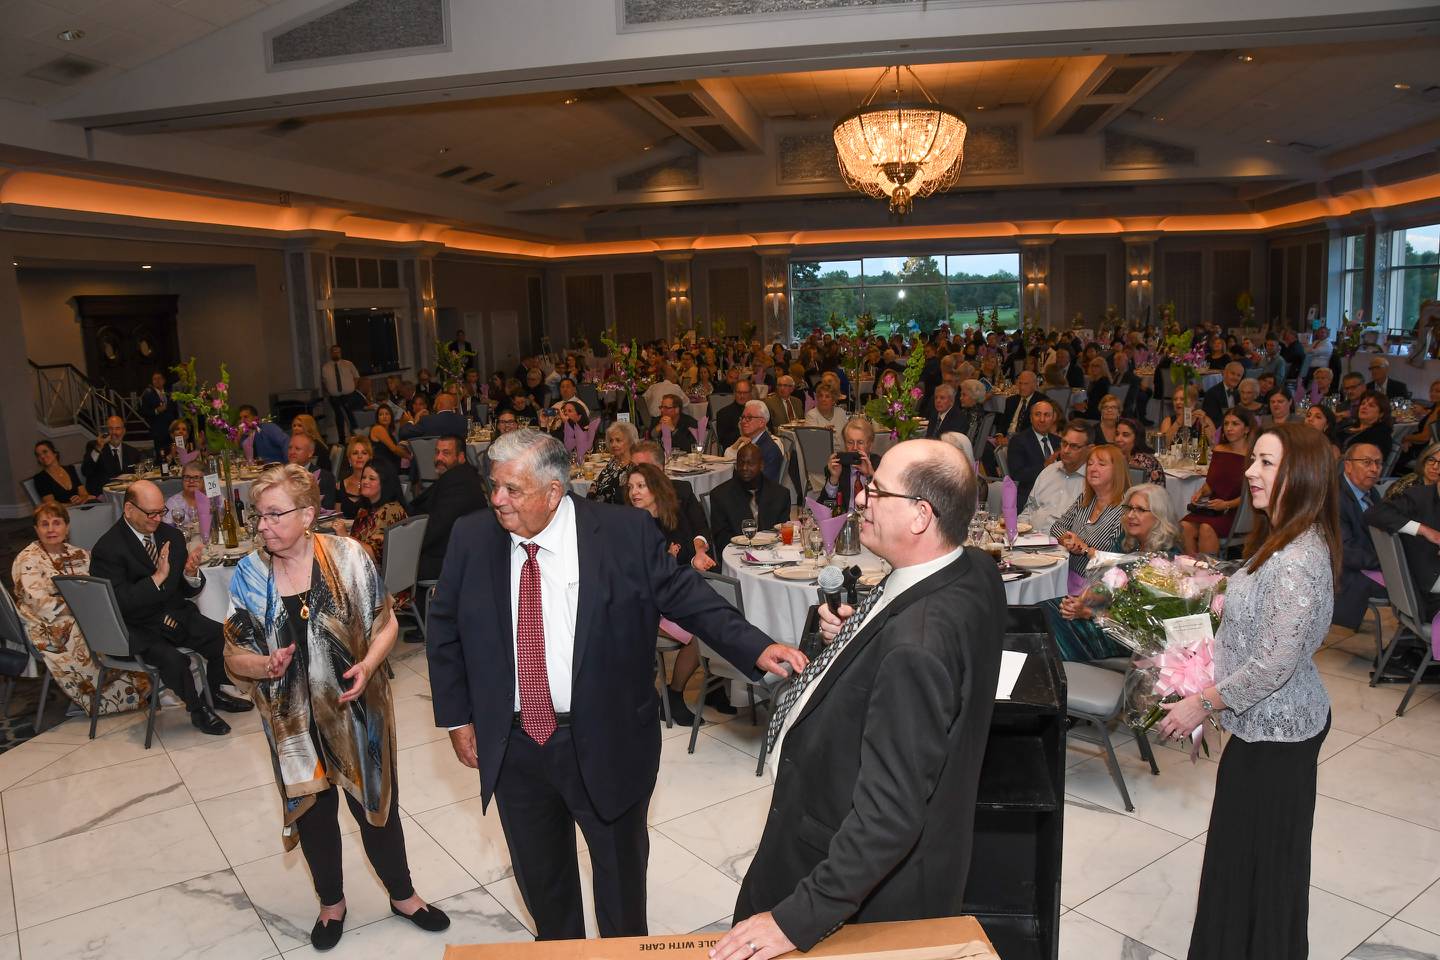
(948, 938)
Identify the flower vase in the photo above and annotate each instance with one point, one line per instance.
(229, 523)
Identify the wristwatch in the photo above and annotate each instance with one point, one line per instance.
(1205, 702)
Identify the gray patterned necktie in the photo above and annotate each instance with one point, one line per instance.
(816, 668)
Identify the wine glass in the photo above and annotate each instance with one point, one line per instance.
(749, 528)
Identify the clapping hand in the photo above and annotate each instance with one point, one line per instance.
(192, 560)
(162, 565)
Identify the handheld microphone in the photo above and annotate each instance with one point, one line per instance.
(831, 582)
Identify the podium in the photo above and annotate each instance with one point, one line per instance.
(1014, 883)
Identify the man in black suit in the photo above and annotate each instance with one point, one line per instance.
(681, 424)
(1074, 376)
(1016, 416)
(159, 412)
(1361, 470)
(747, 495)
(145, 561)
(947, 417)
(1381, 381)
(1031, 450)
(445, 421)
(542, 651)
(727, 421)
(425, 385)
(457, 491)
(301, 452)
(1223, 395)
(461, 346)
(109, 456)
(876, 749)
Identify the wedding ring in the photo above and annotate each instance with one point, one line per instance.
(753, 948)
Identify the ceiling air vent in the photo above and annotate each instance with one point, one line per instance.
(507, 186)
(479, 177)
(452, 172)
(718, 137)
(682, 105)
(65, 70)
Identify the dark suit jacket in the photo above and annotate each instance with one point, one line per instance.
(727, 424)
(1394, 389)
(457, 492)
(692, 522)
(1074, 376)
(1011, 405)
(874, 800)
(1357, 553)
(446, 423)
(1420, 503)
(119, 557)
(1215, 402)
(681, 439)
(329, 492)
(730, 506)
(1096, 392)
(158, 420)
(1025, 460)
(956, 420)
(100, 471)
(627, 580)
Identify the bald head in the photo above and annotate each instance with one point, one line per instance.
(929, 515)
(144, 506)
(445, 401)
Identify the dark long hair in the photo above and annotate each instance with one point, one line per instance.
(667, 502)
(1305, 494)
(390, 491)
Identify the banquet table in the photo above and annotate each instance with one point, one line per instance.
(214, 597)
(1181, 484)
(702, 483)
(778, 608)
(473, 451)
(168, 488)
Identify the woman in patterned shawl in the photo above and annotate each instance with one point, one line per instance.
(307, 634)
(48, 621)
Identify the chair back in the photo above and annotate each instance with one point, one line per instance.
(422, 452)
(1060, 396)
(364, 420)
(1396, 570)
(718, 402)
(1137, 476)
(983, 432)
(97, 613)
(728, 588)
(29, 484)
(1242, 525)
(815, 445)
(12, 628)
(401, 560)
(89, 523)
(1120, 392)
(1396, 449)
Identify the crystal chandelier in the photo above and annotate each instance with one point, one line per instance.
(900, 149)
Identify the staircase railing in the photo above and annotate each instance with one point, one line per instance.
(65, 397)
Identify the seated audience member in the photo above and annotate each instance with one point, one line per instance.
(1034, 447)
(1148, 525)
(358, 452)
(304, 423)
(785, 405)
(57, 481)
(568, 394)
(301, 452)
(1384, 384)
(145, 561)
(379, 506)
(419, 409)
(1415, 515)
(1107, 418)
(190, 504)
(567, 413)
(1062, 481)
(1371, 424)
(1281, 408)
(1215, 504)
(754, 428)
(446, 421)
(1360, 470)
(1249, 391)
(457, 491)
(948, 417)
(609, 486)
(1352, 388)
(1092, 523)
(269, 442)
(826, 413)
(49, 624)
(383, 445)
(505, 422)
(1098, 389)
(1130, 438)
(1427, 471)
(727, 421)
(673, 415)
(649, 451)
(1322, 385)
(109, 456)
(844, 480)
(1225, 395)
(748, 495)
(1322, 418)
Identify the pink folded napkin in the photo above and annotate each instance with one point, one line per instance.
(817, 509)
(586, 440)
(830, 528)
(699, 430)
(809, 403)
(1375, 575)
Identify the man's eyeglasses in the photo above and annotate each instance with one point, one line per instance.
(273, 517)
(152, 514)
(1365, 461)
(872, 491)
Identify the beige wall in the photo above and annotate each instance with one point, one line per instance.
(489, 293)
(52, 328)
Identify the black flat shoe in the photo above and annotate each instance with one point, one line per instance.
(428, 918)
(679, 712)
(205, 720)
(223, 701)
(326, 933)
(717, 700)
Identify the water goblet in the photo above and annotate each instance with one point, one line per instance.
(749, 528)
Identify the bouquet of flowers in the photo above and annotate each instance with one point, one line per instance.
(625, 376)
(1166, 612)
(1352, 336)
(450, 362)
(210, 404)
(895, 398)
(1186, 360)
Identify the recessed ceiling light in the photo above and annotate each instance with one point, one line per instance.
(569, 101)
(1402, 86)
(14, 263)
(145, 266)
(1268, 140)
(444, 150)
(1158, 119)
(981, 107)
(648, 146)
(1244, 57)
(71, 34)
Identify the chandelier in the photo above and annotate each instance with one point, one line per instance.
(900, 149)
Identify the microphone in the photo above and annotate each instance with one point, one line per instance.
(831, 582)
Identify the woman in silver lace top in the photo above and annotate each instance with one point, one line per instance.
(1255, 883)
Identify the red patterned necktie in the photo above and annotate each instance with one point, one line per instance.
(537, 713)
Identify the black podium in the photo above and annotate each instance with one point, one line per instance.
(1014, 883)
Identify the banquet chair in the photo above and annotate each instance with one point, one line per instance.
(29, 484)
(89, 523)
(97, 616)
(401, 564)
(364, 420)
(1060, 396)
(590, 396)
(1137, 476)
(663, 645)
(815, 446)
(718, 402)
(1405, 600)
(1120, 392)
(422, 454)
(1234, 541)
(14, 634)
(1096, 695)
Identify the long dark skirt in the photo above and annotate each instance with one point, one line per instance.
(1255, 884)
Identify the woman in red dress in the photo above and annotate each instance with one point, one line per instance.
(1213, 508)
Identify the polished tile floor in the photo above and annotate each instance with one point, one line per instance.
(111, 851)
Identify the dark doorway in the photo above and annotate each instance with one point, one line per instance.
(128, 338)
(369, 339)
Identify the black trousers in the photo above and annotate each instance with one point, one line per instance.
(193, 630)
(542, 797)
(1254, 900)
(319, 829)
(344, 417)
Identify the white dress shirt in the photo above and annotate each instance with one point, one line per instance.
(900, 580)
(1053, 493)
(559, 560)
(338, 377)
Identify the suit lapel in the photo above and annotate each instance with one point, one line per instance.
(936, 581)
(591, 551)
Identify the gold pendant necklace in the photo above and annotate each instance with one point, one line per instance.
(305, 609)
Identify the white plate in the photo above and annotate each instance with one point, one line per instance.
(762, 539)
(1034, 561)
(714, 458)
(871, 579)
(802, 573)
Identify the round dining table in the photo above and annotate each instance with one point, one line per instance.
(1181, 484)
(702, 482)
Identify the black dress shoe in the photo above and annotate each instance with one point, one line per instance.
(206, 721)
(716, 700)
(679, 712)
(326, 933)
(223, 701)
(429, 918)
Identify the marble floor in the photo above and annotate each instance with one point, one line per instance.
(111, 851)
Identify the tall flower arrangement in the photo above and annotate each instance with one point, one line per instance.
(210, 404)
(1351, 338)
(1186, 360)
(625, 375)
(896, 398)
(451, 362)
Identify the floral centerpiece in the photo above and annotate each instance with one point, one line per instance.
(1245, 304)
(211, 405)
(451, 362)
(1351, 338)
(1166, 612)
(893, 406)
(625, 375)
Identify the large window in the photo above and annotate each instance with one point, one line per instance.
(1414, 274)
(1353, 279)
(905, 292)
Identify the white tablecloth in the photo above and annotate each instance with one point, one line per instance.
(473, 450)
(215, 596)
(1180, 486)
(701, 483)
(116, 498)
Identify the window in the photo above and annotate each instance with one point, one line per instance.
(364, 273)
(369, 338)
(919, 292)
(1352, 279)
(1414, 274)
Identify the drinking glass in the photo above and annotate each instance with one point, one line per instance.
(749, 528)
